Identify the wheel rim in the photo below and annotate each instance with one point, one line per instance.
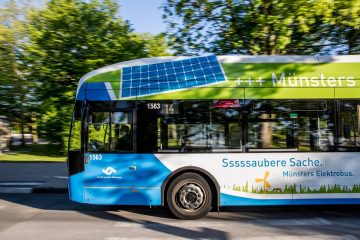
(191, 197)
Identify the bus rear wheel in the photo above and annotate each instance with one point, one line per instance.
(189, 196)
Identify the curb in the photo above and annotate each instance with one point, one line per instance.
(49, 190)
(54, 186)
(15, 190)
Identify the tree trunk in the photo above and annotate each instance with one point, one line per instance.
(34, 128)
(22, 130)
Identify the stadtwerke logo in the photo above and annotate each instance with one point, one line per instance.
(109, 170)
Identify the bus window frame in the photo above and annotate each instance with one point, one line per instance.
(245, 110)
(111, 111)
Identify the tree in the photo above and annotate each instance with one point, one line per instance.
(248, 27)
(15, 90)
(345, 26)
(69, 38)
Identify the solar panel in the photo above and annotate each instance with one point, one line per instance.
(171, 75)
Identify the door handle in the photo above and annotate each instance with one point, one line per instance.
(132, 168)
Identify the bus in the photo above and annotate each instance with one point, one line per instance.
(196, 133)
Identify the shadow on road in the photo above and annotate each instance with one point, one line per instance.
(290, 220)
(60, 202)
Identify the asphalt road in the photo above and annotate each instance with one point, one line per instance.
(41, 177)
(37, 216)
(31, 172)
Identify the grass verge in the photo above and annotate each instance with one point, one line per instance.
(34, 153)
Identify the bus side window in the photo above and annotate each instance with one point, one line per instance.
(291, 125)
(99, 132)
(75, 135)
(122, 132)
(349, 129)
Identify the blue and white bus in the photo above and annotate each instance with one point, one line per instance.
(198, 133)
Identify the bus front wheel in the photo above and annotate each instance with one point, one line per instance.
(189, 196)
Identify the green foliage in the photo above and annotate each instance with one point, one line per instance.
(261, 26)
(344, 27)
(17, 101)
(236, 188)
(246, 187)
(66, 40)
(293, 189)
(34, 152)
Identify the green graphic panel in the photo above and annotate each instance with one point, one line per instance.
(347, 93)
(289, 93)
(257, 81)
(200, 93)
(340, 69)
(264, 70)
(113, 77)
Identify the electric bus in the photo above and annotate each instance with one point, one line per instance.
(198, 133)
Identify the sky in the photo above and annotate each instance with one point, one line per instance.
(143, 15)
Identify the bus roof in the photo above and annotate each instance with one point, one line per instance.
(225, 77)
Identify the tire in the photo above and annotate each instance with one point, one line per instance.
(189, 196)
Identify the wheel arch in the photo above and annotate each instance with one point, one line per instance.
(214, 185)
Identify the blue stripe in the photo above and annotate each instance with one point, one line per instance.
(76, 187)
(93, 91)
(230, 200)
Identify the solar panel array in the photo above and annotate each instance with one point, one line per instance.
(168, 76)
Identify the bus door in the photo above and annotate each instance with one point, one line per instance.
(109, 170)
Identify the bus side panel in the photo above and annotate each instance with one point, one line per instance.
(128, 196)
(247, 179)
(231, 200)
(76, 187)
(351, 199)
(124, 179)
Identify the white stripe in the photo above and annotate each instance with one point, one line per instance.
(267, 59)
(222, 70)
(120, 86)
(15, 190)
(110, 90)
(20, 184)
(306, 237)
(127, 224)
(342, 58)
(285, 237)
(287, 59)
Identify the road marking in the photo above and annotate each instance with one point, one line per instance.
(18, 187)
(15, 190)
(127, 224)
(306, 237)
(299, 222)
(20, 183)
(286, 237)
